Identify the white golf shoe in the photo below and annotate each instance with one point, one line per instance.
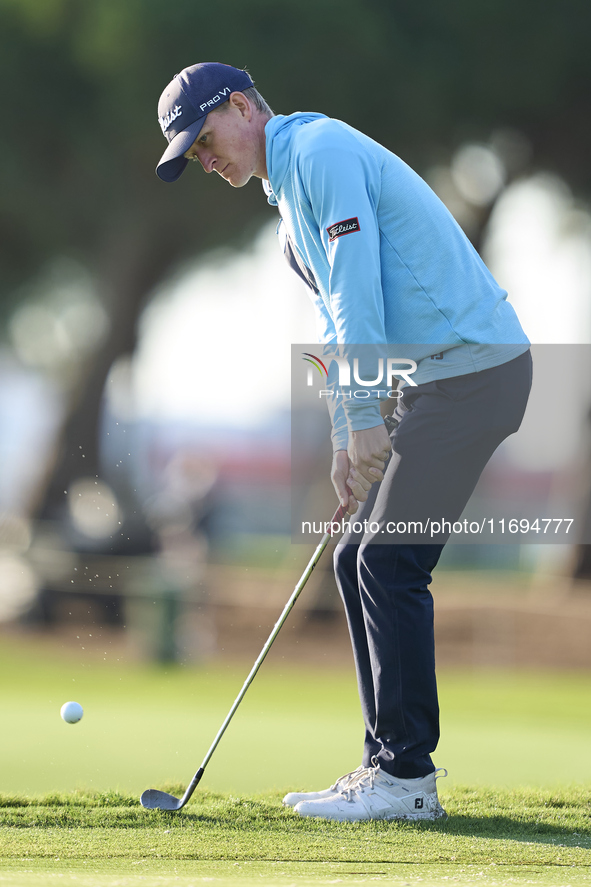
(374, 794)
(293, 798)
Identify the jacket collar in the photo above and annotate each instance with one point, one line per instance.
(279, 132)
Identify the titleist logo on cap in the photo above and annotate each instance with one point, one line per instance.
(340, 228)
(168, 119)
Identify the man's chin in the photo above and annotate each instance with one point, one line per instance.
(238, 181)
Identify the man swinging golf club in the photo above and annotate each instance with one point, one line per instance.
(385, 263)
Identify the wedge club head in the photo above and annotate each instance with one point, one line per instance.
(153, 799)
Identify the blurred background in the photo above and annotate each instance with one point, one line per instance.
(145, 335)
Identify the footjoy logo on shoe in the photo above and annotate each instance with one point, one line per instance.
(340, 228)
(418, 803)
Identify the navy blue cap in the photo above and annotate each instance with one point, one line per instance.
(186, 102)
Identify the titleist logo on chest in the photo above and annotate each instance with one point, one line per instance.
(345, 227)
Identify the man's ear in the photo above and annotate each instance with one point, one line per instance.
(239, 101)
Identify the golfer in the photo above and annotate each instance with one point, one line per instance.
(386, 263)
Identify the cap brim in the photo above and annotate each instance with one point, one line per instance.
(172, 163)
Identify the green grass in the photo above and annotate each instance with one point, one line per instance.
(519, 741)
(490, 837)
(296, 727)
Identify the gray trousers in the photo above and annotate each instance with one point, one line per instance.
(447, 432)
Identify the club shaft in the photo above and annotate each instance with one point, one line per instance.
(333, 527)
(339, 514)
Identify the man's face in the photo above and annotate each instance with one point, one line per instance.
(231, 143)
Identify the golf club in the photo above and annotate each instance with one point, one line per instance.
(154, 799)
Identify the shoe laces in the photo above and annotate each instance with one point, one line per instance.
(360, 779)
(347, 778)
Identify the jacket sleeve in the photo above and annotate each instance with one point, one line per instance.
(340, 182)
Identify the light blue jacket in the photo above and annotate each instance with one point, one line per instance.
(387, 261)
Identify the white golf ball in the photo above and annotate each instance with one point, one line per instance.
(71, 712)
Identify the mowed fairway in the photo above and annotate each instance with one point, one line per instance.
(297, 727)
(516, 745)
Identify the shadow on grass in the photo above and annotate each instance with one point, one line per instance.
(511, 829)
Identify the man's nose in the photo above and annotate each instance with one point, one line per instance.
(207, 160)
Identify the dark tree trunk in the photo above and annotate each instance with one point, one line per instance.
(134, 261)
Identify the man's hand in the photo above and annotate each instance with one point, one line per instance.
(339, 475)
(361, 466)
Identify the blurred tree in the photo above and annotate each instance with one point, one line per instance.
(81, 139)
